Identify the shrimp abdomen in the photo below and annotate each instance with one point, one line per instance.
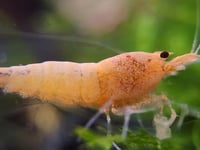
(65, 83)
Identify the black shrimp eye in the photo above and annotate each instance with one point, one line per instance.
(164, 54)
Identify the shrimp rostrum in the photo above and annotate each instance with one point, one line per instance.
(123, 83)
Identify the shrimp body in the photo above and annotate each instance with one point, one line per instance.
(126, 79)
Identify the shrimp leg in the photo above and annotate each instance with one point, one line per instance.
(183, 114)
(108, 119)
(150, 103)
(127, 116)
(102, 110)
(139, 120)
(161, 122)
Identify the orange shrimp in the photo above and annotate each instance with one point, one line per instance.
(126, 79)
(123, 83)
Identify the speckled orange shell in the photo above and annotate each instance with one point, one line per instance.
(126, 79)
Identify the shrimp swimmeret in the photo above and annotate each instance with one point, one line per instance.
(123, 83)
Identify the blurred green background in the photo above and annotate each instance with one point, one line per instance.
(88, 31)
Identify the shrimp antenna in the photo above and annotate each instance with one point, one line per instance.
(195, 46)
(62, 38)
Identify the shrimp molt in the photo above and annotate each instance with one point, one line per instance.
(127, 80)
